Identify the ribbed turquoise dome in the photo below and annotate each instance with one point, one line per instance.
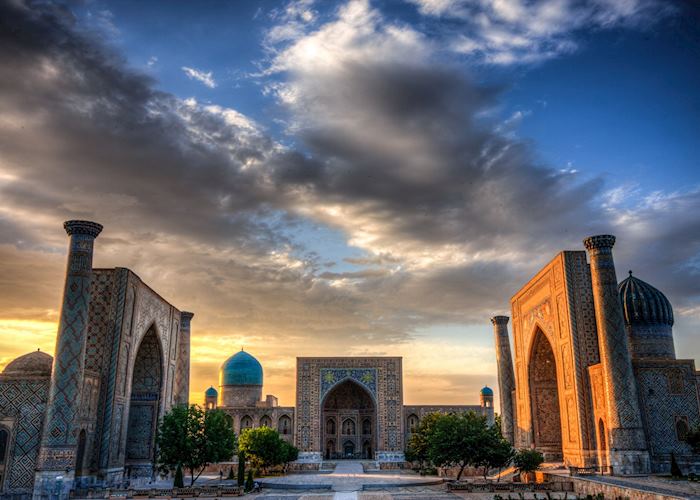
(241, 369)
(211, 393)
(487, 391)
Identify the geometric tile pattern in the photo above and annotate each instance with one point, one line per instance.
(25, 401)
(60, 436)
(366, 377)
(506, 377)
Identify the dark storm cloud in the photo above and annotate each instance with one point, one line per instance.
(403, 155)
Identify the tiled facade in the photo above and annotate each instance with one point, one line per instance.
(119, 365)
(347, 407)
(581, 394)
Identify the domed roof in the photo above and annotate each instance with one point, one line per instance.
(35, 363)
(211, 392)
(241, 369)
(644, 304)
(487, 391)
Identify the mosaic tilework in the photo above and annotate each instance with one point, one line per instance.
(366, 377)
(506, 377)
(624, 416)
(24, 400)
(60, 435)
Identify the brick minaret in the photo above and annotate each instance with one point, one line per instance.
(506, 377)
(627, 444)
(59, 441)
(182, 381)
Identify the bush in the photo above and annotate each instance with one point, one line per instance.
(231, 475)
(241, 468)
(675, 469)
(527, 460)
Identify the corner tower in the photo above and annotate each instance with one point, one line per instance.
(59, 444)
(625, 438)
(506, 377)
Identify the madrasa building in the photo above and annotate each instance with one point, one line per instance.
(87, 417)
(346, 407)
(595, 381)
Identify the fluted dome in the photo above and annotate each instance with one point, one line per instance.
(35, 363)
(487, 391)
(241, 369)
(642, 304)
(211, 393)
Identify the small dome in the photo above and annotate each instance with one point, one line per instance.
(644, 304)
(241, 369)
(487, 391)
(35, 363)
(211, 393)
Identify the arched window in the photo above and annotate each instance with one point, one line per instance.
(284, 425)
(246, 422)
(265, 421)
(349, 427)
(366, 426)
(412, 423)
(681, 428)
(330, 426)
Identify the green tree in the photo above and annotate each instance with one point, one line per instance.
(526, 460)
(494, 451)
(418, 446)
(454, 440)
(263, 448)
(194, 438)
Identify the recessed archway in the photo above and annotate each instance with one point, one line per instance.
(144, 407)
(544, 398)
(349, 416)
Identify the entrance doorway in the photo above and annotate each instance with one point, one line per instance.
(544, 399)
(349, 417)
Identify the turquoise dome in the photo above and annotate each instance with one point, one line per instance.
(241, 369)
(211, 393)
(487, 391)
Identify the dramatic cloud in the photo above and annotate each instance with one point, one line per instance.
(519, 31)
(206, 78)
(443, 212)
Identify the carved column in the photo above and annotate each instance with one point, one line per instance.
(506, 377)
(183, 360)
(627, 442)
(59, 440)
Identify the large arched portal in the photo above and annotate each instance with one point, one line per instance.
(349, 422)
(544, 399)
(146, 384)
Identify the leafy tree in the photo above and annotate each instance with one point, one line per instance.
(454, 440)
(494, 451)
(179, 480)
(418, 446)
(527, 460)
(263, 447)
(194, 438)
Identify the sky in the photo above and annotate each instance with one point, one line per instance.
(346, 178)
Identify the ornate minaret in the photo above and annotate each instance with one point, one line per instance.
(627, 443)
(59, 440)
(183, 361)
(506, 377)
